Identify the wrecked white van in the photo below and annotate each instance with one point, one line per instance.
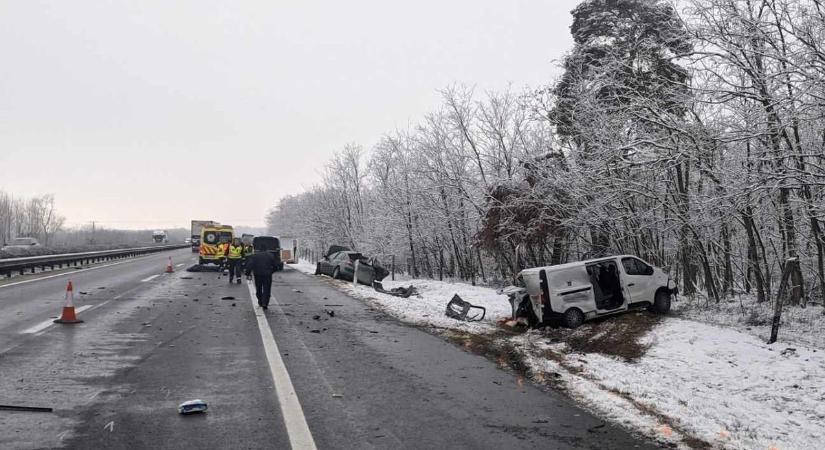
(584, 290)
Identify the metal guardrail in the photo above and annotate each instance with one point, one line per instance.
(10, 265)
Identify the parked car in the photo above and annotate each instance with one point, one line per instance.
(583, 290)
(21, 243)
(270, 244)
(339, 262)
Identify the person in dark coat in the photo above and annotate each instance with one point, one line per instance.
(262, 264)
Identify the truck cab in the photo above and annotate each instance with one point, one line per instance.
(159, 237)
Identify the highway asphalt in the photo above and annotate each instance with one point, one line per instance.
(359, 378)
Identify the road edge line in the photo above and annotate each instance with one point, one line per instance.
(300, 437)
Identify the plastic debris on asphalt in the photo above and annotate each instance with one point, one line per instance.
(192, 406)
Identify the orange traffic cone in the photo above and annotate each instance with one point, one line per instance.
(68, 315)
(169, 268)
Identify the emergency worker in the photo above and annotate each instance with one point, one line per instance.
(234, 257)
(223, 247)
(262, 264)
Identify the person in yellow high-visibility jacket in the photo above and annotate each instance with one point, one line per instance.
(223, 249)
(234, 257)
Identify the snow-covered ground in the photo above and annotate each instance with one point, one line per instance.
(692, 383)
(428, 307)
(803, 326)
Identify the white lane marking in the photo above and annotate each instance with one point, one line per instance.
(149, 278)
(47, 323)
(300, 437)
(178, 265)
(74, 272)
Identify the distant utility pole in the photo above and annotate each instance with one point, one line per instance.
(93, 232)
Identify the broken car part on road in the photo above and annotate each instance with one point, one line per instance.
(24, 408)
(459, 309)
(403, 292)
(192, 406)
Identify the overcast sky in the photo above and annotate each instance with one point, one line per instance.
(146, 114)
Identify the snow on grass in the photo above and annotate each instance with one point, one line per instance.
(696, 383)
(304, 266)
(429, 306)
(606, 404)
(799, 325)
(727, 388)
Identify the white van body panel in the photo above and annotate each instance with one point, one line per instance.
(570, 287)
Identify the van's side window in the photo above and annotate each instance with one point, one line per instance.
(633, 266)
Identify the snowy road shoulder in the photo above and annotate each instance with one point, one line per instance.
(678, 381)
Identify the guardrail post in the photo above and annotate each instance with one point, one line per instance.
(355, 274)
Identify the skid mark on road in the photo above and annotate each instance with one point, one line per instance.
(296, 424)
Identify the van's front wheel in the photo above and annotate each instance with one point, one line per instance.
(661, 303)
(573, 318)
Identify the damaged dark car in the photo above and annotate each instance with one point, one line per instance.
(339, 263)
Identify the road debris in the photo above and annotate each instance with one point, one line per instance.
(315, 331)
(330, 312)
(192, 406)
(461, 310)
(403, 292)
(596, 427)
(228, 297)
(24, 408)
(200, 268)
